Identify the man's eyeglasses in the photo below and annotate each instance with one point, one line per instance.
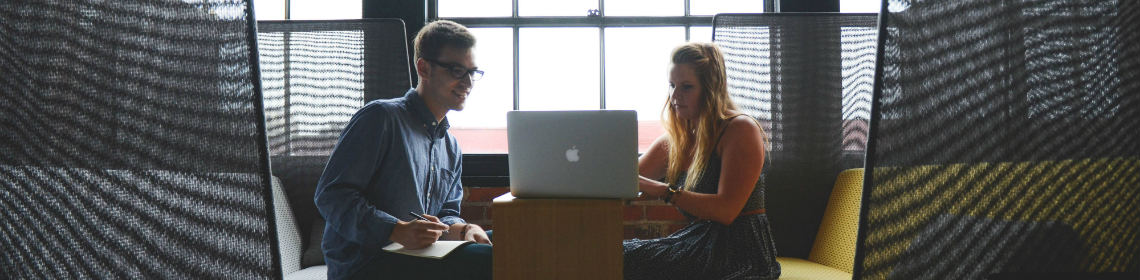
(458, 71)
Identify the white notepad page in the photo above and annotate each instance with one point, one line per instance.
(436, 250)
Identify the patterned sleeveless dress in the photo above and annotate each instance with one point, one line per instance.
(709, 250)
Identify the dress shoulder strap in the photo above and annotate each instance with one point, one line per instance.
(724, 128)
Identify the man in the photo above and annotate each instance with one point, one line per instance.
(394, 158)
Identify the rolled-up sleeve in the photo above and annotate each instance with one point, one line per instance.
(340, 194)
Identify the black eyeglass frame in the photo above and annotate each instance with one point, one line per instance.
(458, 71)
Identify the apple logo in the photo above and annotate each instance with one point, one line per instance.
(572, 154)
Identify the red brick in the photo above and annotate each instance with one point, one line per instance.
(674, 228)
(632, 213)
(484, 193)
(643, 231)
(628, 232)
(663, 213)
(634, 231)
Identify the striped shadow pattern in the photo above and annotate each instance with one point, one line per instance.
(1004, 142)
(807, 78)
(133, 142)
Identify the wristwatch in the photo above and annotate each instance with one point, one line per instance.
(670, 193)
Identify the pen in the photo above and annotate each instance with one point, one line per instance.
(418, 216)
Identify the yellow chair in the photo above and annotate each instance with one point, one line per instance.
(832, 254)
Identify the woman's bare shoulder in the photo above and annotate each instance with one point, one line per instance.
(743, 130)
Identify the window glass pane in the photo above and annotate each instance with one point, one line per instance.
(577, 8)
(859, 6)
(700, 34)
(712, 7)
(645, 7)
(269, 9)
(858, 54)
(481, 127)
(325, 9)
(558, 69)
(637, 74)
(474, 8)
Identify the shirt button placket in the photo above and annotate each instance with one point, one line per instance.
(431, 170)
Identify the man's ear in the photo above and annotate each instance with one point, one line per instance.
(422, 69)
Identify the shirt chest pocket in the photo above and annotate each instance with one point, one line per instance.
(443, 182)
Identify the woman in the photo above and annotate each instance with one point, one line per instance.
(711, 159)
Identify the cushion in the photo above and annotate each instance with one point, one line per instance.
(834, 244)
(288, 238)
(319, 272)
(793, 268)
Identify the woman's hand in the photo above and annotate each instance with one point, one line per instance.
(652, 188)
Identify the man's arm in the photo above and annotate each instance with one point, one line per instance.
(458, 229)
(350, 168)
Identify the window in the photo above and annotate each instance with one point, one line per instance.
(307, 9)
(859, 6)
(555, 55)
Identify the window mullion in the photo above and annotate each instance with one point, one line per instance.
(516, 61)
(515, 27)
(602, 55)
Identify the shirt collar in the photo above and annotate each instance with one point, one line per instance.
(420, 111)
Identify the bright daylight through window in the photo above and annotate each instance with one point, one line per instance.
(566, 61)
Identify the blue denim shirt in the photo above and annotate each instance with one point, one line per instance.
(391, 159)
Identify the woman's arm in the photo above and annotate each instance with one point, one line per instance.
(742, 160)
(652, 164)
(652, 167)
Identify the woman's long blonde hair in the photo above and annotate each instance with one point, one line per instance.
(697, 138)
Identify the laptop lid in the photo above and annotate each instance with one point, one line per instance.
(572, 154)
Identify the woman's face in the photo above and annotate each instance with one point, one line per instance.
(686, 91)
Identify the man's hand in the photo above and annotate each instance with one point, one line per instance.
(418, 234)
(476, 233)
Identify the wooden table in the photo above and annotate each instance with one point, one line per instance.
(557, 238)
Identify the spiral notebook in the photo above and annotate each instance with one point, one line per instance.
(436, 250)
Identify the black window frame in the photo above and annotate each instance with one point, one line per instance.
(492, 170)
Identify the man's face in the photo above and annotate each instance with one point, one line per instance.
(448, 79)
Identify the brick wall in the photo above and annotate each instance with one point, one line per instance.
(643, 219)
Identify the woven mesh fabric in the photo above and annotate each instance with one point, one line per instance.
(808, 79)
(1004, 142)
(133, 142)
(835, 243)
(315, 76)
(288, 238)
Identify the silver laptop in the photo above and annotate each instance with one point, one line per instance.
(572, 154)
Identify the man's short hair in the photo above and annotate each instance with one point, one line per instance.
(433, 38)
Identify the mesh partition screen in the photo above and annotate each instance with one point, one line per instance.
(133, 142)
(315, 76)
(1004, 142)
(808, 79)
